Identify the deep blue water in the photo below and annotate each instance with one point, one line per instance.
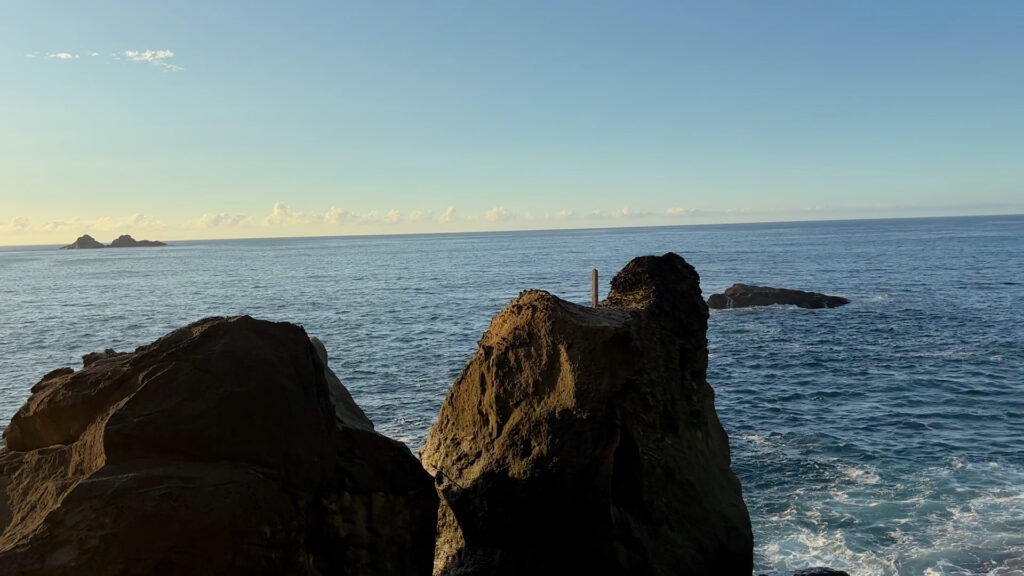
(884, 437)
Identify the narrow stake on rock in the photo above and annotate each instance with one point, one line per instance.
(593, 287)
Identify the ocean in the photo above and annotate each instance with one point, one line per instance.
(884, 437)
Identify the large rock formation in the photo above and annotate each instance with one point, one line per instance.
(745, 296)
(122, 241)
(585, 440)
(84, 241)
(222, 448)
(126, 241)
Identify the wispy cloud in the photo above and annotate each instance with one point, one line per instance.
(221, 220)
(338, 216)
(282, 215)
(155, 57)
(448, 215)
(76, 225)
(158, 58)
(60, 225)
(498, 214)
(16, 224)
(420, 215)
(627, 212)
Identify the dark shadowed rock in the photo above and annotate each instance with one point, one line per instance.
(585, 440)
(745, 296)
(93, 357)
(126, 241)
(807, 572)
(218, 449)
(84, 241)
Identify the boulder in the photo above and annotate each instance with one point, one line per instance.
(126, 241)
(84, 241)
(93, 357)
(745, 296)
(585, 440)
(218, 449)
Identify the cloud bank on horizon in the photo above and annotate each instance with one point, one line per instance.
(282, 220)
(334, 220)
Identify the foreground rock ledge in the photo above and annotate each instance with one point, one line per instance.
(225, 447)
(747, 296)
(585, 440)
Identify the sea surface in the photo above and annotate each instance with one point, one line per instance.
(884, 437)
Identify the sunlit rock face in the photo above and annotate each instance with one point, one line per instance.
(585, 440)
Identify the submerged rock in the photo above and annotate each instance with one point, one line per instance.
(585, 440)
(218, 449)
(745, 296)
(126, 241)
(807, 572)
(84, 241)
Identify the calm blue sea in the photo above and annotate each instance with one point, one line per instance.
(884, 437)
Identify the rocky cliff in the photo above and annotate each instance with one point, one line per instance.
(225, 447)
(585, 440)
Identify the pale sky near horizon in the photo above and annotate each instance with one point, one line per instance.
(181, 120)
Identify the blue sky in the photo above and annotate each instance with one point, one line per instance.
(178, 120)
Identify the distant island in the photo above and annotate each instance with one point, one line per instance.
(123, 241)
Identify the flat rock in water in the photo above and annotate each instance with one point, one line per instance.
(221, 448)
(585, 440)
(746, 296)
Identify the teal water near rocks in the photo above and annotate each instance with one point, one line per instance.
(884, 437)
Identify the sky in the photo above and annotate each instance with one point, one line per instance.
(188, 120)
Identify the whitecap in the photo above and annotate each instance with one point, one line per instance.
(861, 476)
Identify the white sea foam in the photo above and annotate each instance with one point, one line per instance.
(956, 520)
(862, 475)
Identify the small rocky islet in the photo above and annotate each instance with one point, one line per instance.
(86, 241)
(576, 440)
(748, 296)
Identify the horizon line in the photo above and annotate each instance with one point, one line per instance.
(530, 230)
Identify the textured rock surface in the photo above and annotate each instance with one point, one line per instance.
(807, 572)
(84, 241)
(215, 450)
(745, 296)
(126, 241)
(585, 440)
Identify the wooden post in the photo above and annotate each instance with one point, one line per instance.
(593, 287)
